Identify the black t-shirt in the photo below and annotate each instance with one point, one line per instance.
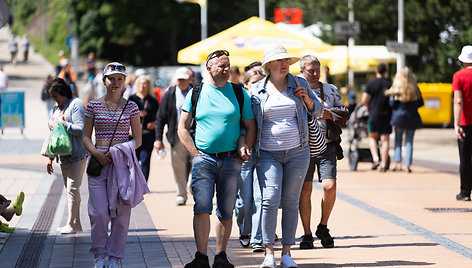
(148, 104)
(378, 104)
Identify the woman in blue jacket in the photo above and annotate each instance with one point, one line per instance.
(405, 99)
(281, 103)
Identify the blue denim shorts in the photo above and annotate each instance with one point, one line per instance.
(324, 164)
(208, 172)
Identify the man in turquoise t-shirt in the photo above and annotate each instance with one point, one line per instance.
(217, 152)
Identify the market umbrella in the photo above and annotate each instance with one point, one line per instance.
(362, 58)
(247, 40)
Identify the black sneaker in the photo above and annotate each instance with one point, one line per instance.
(307, 242)
(200, 261)
(322, 233)
(257, 247)
(463, 197)
(221, 261)
(245, 240)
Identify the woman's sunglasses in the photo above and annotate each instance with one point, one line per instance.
(216, 54)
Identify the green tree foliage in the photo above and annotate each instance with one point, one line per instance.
(148, 32)
(441, 28)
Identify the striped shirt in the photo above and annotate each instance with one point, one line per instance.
(280, 128)
(105, 120)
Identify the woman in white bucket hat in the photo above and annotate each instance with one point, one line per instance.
(281, 103)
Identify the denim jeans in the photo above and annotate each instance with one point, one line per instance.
(208, 171)
(409, 134)
(248, 207)
(281, 175)
(144, 153)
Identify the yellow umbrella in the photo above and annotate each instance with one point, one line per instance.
(362, 58)
(246, 42)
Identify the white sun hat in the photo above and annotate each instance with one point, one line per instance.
(277, 53)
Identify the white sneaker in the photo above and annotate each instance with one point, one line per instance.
(100, 262)
(286, 261)
(114, 263)
(66, 230)
(180, 200)
(269, 261)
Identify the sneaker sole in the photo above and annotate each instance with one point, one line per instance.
(328, 246)
(306, 246)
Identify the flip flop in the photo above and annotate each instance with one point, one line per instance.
(18, 204)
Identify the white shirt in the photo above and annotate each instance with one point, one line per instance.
(179, 100)
(3, 81)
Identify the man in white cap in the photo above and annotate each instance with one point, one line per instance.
(462, 89)
(169, 114)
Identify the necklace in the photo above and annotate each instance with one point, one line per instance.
(115, 110)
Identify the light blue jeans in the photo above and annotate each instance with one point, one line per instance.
(409, 134)
(248, 203)
(210, 172)
(281, 175)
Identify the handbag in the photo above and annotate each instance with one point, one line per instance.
(94, 167)
(316, 138)
(45, 147)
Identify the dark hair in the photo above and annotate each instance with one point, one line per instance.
(234, 69)
(381, 68)
(60, 86)
(252, 65)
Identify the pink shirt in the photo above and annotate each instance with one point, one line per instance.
(105, 120)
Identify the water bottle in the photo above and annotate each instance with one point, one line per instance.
(161, 154)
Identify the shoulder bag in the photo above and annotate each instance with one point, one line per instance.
(94, 167)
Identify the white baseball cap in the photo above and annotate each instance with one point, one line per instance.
(182, 73)
(466, 54)
(114, 68)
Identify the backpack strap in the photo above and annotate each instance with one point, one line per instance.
(195, 95)
(238, 91)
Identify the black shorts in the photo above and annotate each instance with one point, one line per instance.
(380, 126)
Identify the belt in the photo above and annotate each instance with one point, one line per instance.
(222, 154)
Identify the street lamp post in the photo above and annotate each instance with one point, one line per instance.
(203, 15)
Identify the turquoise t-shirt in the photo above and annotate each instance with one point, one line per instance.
(218, 118)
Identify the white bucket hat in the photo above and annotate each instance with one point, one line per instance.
(277, 53)
(466, 54)
(114, 68)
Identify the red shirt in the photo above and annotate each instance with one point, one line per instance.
(462, 80)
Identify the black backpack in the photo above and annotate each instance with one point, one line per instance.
(238, 91)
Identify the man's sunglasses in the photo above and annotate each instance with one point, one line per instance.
(119, 68)
(216, 54)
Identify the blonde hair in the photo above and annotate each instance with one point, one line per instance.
(404, 87)
(252, 72)
(144, 79)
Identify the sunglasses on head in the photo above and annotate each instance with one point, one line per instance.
(119, 68)
(216, 54)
